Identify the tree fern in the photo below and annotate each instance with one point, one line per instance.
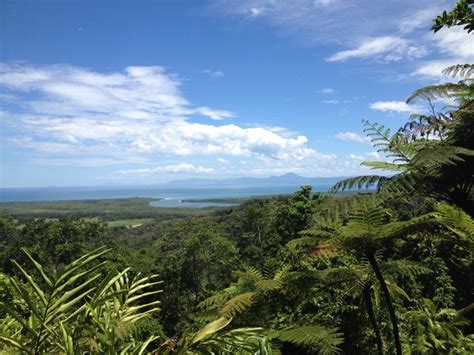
(313, 338)
(439, 156)
(360, 182)
(237, 305)
(433, 92)
(463, 70)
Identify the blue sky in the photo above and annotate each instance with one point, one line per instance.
(142, 92)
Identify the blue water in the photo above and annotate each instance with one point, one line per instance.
(169, 195)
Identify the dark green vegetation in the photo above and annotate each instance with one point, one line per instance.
(121, 209)
(384, 273)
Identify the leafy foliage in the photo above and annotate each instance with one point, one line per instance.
(462, 14)
(67, 312)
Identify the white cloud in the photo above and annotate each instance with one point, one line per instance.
(374, 155)
(386, 48)
(324, 2)
(256, 11)
(355, 157)
(394, 106)
(454, 41)
(419, 19)
(213, 114)
(68, 113)
(336, 21)
(216, 74)
(457, 47)
(330, 102)
(223, 161)
(352, 137)
(434, 69)
(169, 169)
(327, 91)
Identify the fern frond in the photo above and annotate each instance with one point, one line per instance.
(237, 305)
(360, 182)
(456, 220)
(217, 300)
(437, 156)
(396, 290)
(433, 92)
(367, 218)
(407, 267)
(248, 274)
(382, 165)
(464, 70)
(303, 242)
(314, 338)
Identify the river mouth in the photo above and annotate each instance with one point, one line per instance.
(179, 203)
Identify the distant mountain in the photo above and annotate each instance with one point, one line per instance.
(289, 179)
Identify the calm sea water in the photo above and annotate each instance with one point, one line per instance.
(171, 197)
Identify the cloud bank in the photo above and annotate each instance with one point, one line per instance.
(65, 115)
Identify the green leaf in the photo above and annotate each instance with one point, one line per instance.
(211, 328)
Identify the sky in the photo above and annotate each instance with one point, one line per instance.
(142, 92)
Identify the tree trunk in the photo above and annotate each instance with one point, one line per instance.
(388, 300)
(373, 320)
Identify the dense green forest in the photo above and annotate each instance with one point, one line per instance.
(384, 272)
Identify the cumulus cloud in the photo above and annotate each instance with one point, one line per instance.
(386, 48)
(352, 137)
(69, 113)
(169, 169)
(394, 106)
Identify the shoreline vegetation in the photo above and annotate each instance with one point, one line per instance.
(136, 209)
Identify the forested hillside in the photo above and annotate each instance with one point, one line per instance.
(385, 272)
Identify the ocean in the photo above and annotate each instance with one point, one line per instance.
(171, 197)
